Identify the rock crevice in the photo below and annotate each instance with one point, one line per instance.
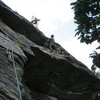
(43, 75)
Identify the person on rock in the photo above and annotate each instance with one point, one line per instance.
(52, 43)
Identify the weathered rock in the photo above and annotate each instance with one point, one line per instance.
(8, 85)
(19, 24)
(48, 75)
(55, 75)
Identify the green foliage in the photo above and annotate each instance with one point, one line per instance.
(96, 59)
(95, 96)
(25, 96)
(87, 17)
(19, 43)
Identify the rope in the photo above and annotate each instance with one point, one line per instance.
(15, 70)
(14, 66)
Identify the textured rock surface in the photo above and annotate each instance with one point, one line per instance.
(42, 75)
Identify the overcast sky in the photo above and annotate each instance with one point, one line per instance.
(56, 17)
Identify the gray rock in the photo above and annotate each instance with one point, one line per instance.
(47, 75)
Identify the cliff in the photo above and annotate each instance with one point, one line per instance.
(28, 68)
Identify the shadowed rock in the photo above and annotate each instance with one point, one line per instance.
(48, 75)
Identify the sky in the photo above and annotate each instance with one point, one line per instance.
(56, 17)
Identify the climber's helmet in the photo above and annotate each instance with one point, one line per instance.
(52, 35)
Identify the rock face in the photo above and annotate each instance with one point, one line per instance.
(42, 75)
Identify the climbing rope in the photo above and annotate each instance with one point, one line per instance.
(14, 65)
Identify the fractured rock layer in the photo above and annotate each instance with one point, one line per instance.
(42, 74)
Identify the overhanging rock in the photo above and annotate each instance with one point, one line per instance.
(47, 74)
(55, 75)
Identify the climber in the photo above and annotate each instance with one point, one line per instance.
(35, 21)
(52, 43)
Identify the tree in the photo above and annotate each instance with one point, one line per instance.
(87, 17)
